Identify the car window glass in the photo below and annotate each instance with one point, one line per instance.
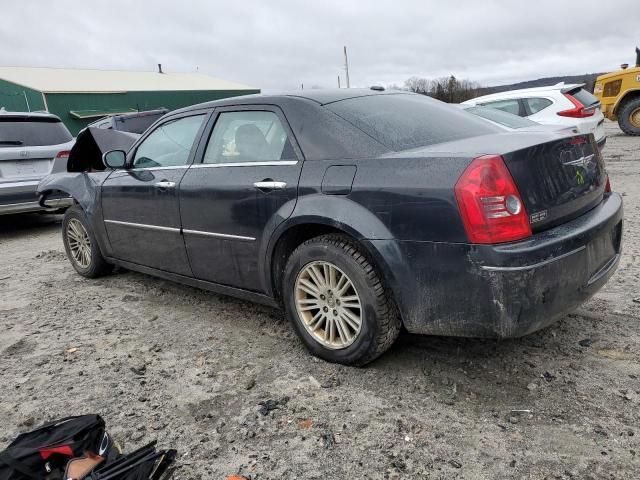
(537, 104)
(501, 117)
(169, 144)
(26, 132)
(509, 106)
(248, 136)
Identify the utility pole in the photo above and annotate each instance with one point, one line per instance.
(339, 82)
(346, 66)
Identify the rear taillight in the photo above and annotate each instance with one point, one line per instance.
(607, 186)
(578, 110)
(63, 154)
(490, 204)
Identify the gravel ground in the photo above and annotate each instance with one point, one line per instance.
(190, 368)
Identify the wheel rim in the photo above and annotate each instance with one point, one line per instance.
(328, 305)
(634, 118)
(79, 243)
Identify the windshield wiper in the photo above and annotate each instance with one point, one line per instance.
(10, 142)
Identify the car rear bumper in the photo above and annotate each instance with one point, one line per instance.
(20, 197)
(507, 290)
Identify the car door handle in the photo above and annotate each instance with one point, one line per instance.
(165, 184)
(270, 185)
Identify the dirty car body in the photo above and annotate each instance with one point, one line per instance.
(388, 171)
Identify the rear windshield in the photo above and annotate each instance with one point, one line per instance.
(405, 121)
(584, 97)
(30, 132)
(503, 118)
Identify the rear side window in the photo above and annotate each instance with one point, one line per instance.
(404, 121)
(503, 118)
(536, 105)
(584, 97)
(29, 132)
(511, 106)
(248, 136)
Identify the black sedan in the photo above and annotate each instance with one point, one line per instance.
(359, 212)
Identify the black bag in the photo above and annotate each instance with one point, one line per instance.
(44, 452)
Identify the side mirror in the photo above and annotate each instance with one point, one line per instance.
(115, 159)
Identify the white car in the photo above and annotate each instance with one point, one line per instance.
(564, 105)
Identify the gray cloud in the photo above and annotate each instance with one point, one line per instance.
(280, 44)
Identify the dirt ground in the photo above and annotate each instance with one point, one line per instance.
(190, 368)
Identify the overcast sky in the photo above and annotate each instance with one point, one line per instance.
(279, 44)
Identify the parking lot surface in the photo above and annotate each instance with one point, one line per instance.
(228, 384)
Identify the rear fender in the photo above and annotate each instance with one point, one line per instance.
(342, 214)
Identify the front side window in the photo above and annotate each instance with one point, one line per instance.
(248, 136)
(537, 104)
(168, 145)
(510, 106)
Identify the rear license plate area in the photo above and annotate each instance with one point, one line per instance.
(603, 249)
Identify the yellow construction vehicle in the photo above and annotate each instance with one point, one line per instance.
(619, 95)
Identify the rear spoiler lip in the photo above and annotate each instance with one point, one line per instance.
(570, 88)
(573, 86)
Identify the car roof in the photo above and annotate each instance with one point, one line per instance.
(26, 115)
(318, 96)
(563, 87)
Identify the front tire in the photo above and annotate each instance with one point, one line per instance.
(629, 117)
(80, 244)
(337, 302)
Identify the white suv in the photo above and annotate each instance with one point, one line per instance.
(568, 105)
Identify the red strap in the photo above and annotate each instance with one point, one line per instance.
(63, 450)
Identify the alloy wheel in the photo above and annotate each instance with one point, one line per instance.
(79, 243)
(328, 305)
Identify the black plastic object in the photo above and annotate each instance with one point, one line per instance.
(143, 464)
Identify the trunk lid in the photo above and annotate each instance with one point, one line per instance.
(558, 180)
(559, 176)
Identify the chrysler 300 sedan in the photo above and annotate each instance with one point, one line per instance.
(358, 212)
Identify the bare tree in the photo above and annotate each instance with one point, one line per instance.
(418, 85)
(448, 89)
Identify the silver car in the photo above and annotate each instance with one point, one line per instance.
(32, 146)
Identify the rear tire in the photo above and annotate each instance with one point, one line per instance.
(629, 117)
(337, 303)
(80, 244)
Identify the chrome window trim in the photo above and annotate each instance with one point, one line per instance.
(246, 164)
(144, 226)
(218, 235)
(177, 167)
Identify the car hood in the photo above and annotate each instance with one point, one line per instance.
(92, 143)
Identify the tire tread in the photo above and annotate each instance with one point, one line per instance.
(388, 318)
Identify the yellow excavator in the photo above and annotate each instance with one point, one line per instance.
(619, 95)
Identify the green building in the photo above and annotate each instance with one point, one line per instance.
(80, 97)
